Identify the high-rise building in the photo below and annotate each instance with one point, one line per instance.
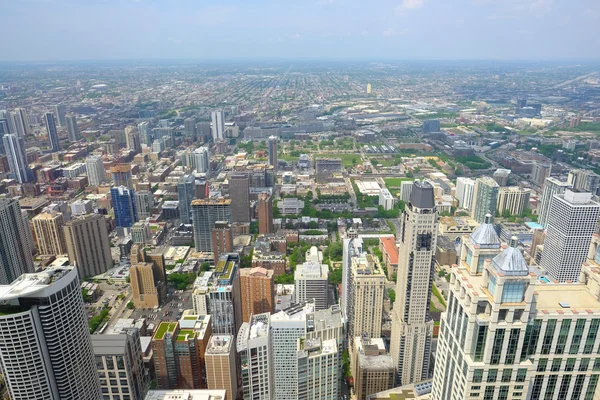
(551, 187)
(186, 192)
(94, 166)
(49, 232)
(465, 188)
(4, 130)
(501, 176)
(265, 213)
(257, 290)
(44, 338)
(385, 200)
(572, 220)
(15, 248)
(119, 356)
(132, 139)
(326, 167)
(60, 112)
(221, 369)
(318, 362)
(311, 280)
(144, 203)
(124, 207)
(72, 128)
(273, 151)
(539, 173)
(88, 246)
(21, 122)
(222, 239)
(17, 159)
(485, 198)
(218, 125)
(405, 190)
(147, 285)
(140, 232)
(145, 133)
(205, 213)
(225, 297)
(52, 132)
(190, 127)
(431, 125)
(254, 351)
(202, 160)
(121, 175)
(373, 367)
(412, 326)
(512, 199)
(584, 180)
(239, 193)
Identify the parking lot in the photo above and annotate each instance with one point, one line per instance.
(178, 301)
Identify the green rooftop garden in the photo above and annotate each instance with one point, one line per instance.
(163, 328)
(190, 318)
(185, 332)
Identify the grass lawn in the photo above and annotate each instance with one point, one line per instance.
(437, 294)
(395, 182)
(287, 157)
(346, 158)
(386, 163)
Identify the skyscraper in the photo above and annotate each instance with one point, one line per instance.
(145, 133)
(15, 248)
(205, 212)
(318, 362)
(94, 166)
(512, 199)
(224, 296)
(132, 139)
(202, 160)
(539, 173)
(60, 113)
(17, 159)
(273, 151)
(584, 180)
(72, 128)
(373, 368)
(3, 131)
(265, 213)
(144, 203)
(410, 344)
(88, 245)
(52, 132)
(186, 192)
(218, 125)
(311, 280)
(124, 207)
(190, 127)
(48, 228)
(221, 369)
(121, 175)
(485, 198)
(465, 188)
(21, 122)
(239, 192)
(572, 220)
(257, 290)
(254, 351)
(222, 239)
(44, 338)
(551, 187)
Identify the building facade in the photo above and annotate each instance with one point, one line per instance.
(205, 213)
(49, 232)
(221, 367)
(254, 352)
(95, 170)
(485, 198)
(239, 193)
(15, 248)
(265, 214)
(257, 290)
(88, 245)
(552, 186)
(513, 200)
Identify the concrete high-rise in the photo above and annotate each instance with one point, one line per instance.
(221, 369)
(132, 139)
(254, 351)
(202, 160)
(45, 344)
(373, 367)
(311, 280)
(72, 128)
(584, 180)
(88, 246)
(144, 203)
(273, 151)
(60, 112)
(121, 175)
(551, 187)
(225, 296)
(222, 239)
(15, 248)
(20, 122)
(190, 127)
(17, 159)
(186, 192)
(145, 133)
(318, 362)
(540, 172)
(485, 198)
(148, 278)
(52, 132)
(218, 125)
(512, 199)
(95, 170)
(124, 207)
(239, 193)
(465, 188)
(257, 290)
(572, 220)
(412, 327)
(49, 232)
(205, 213)
(265, 213)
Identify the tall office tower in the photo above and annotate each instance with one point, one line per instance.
(205, 212)
(501, 176)
(465, 188)
(140, 233)
(186, 192)
(572, 220)
(485, 198)
(254, 351)
(405, 190)
(21, 122)
(222, 239)
(202, 160)
(94, 166)
(60, 112)
(165, 133)
(225, 296)
(584, 180)
(44, 338)
(3, 131)
(257, 290)
(72, 128)
(147, 284)
(512, 199)
(179, 349)
(551, 187)
(431, 125)
(145, 133)
(412, 326)
(52, 132)
(15, 249)
(124, 207)
(132, 139)
(352, 247)
(17, 159)
(190, 127)
(310, 279)
(121, 175)
(119, 356)
(239, 193)
(204, 131)
(265, 213)
(374, 369)
(48, 228)
(318, 362)
(221, 369)
(88, 246)
(144, 203)
(539, 173)
(273, 151)
(218, 125)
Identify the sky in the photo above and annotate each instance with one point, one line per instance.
(48, 30)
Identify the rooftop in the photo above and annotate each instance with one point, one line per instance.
(106, 345)
(219, 344)
(391, 248)
(30, 285)
(163, 328)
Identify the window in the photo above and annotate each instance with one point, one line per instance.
(548, 336)
(521, 374)
(584, 364)
(480, 343)
(492, 375)
(562, 336)
(577, 335)
(551, 387)
(513, 292)
(492, 285)
(497, 347)
(542, 364)
(477, 375)
(570, 364)
(591, 337)
(506, 375)
(556, 365)
(513, 343)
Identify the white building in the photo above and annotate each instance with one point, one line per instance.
(254, 351)
(572, 221)
(74, 170)
(200, 294)
(81, 207)
(16, 242)
(144, 203)
(552, 186)
(318, 366)
(201, 160)
(465, 187)
(405, 190)
(218, 125)
(95, 170)
(512, 199)
(310, 279)
(386, 200)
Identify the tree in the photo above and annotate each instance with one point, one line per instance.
(181, 281)
(205, 266)
(335, 251)
(313, 225)
(130, 305)
(285, 279)
(392, 295)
